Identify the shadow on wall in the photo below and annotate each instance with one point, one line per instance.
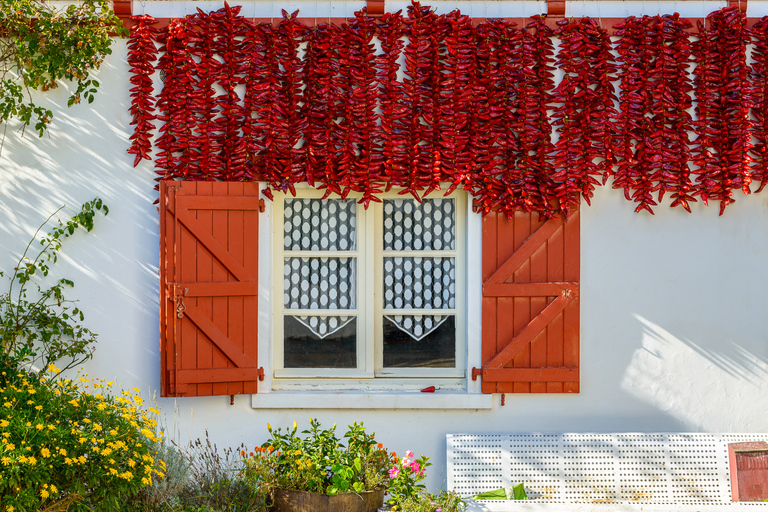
(114, 267)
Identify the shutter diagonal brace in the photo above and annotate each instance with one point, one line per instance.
(520, 256)
(519, 342)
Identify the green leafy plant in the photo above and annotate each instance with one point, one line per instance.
(41, 326)
(43, 45)
(72, 444)
(406, 476)
(318, 462)
(444, 501)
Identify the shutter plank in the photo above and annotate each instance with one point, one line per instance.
(538, 345)
(220, 304)
(571, 269)
(555, 272)
(234, 304)
(525, 246)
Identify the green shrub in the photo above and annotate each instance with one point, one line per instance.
(318, 462)
(445, 501)
(72, 443)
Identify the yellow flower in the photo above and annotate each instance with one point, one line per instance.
(39, 426)
(5, 460)
(44, 494)
(45, 452)
(54, 490)
(39, 407)
(10, 447)
(4, 423)
(53, 369)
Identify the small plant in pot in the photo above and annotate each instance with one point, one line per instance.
(320, 472)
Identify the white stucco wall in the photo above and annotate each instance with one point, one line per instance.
(674, 330)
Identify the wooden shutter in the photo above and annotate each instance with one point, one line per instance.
(530, 305)
(209, 288)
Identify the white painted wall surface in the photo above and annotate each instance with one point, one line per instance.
(674, 324)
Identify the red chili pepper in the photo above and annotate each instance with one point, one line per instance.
(142, 52)
(429, 389)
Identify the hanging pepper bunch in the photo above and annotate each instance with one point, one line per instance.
(321, 96)
(142, 52)
(759, 77)
(723, 96)
(670, 102)
(394, 112)
(584, 115)
(230, 30)
(458, 71)
(359, 143)
(499, 182)
(421, 96)
(654, 122)
(290, 125)
(633, 65)
(538, 190)
(175, 105)
(255, 100)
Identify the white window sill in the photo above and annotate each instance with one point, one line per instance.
(368, 400)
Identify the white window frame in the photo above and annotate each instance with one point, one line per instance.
(369, 375)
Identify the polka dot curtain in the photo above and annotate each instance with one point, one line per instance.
(322, 283)
(419, 282)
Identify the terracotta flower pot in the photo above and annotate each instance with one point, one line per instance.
(302, 501)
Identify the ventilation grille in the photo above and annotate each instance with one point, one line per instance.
(681, 469)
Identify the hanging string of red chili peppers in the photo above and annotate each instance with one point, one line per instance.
(142, 52)
(723, 96)
(439, 100)
(585, 111)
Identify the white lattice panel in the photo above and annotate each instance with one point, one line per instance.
(643, 469)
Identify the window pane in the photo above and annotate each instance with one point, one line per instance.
(319, 283)
(420, 283)
(320, 342)
(319, 225)
(410, 226)
(419, 341)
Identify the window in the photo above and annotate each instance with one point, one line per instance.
(369, 297)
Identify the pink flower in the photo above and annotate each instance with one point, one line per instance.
(409, 454)
(415, 467)
(394, 472)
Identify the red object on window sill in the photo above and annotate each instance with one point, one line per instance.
(429, 389)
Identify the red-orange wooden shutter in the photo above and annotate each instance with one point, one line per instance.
(209, 288)
(530, 304)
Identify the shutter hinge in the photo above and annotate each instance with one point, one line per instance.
(476, 372)
(262, 206)
(502, 399)
(261, 373)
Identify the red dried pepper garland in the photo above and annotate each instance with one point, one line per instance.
(456, 91)
(584, 115)
(723, 96)
(174, 159)
(321, 95)
(393, 112)
(538, 189)
(471, 110)
(359, 143)
(142, 52)
(759, 77)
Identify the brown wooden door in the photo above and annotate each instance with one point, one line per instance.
(530, 304)
(209, 288)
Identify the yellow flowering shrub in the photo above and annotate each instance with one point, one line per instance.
(75, 443)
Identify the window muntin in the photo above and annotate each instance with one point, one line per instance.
(404, 284)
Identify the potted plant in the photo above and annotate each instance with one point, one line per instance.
(319, 472)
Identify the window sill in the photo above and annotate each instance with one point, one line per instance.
(368, 400)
